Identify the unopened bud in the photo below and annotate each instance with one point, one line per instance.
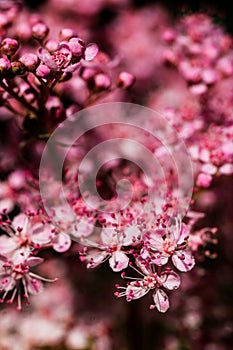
(43, 71)
(52, 45)
(30, 60)
(125, 80)
(102, 81)
(9, 46)
(5, 65)
(40, 31)
(67, 33)
(18, 68)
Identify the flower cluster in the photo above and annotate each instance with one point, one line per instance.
(44, 81)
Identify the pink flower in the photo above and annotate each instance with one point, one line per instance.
(60, 60)
(68, 55)
(25, 234)
(17, 277)
(151, 281)
(111, 246)
(162, 244)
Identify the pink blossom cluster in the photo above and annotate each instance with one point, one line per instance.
(44, 81)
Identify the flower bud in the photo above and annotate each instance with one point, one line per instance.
(102, 81)
(18, 68)
(5, 65)
(43, 71)
(30, 60)
(9, 46)
(87, 73)
(40, 31)
(66, 34)
(52, 45)
(125, 80)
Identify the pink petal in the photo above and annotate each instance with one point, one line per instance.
(73, 67)
(34, 261)
(96, 259)
(171, 280)
(161, 300)
(135, 291)
(22, 221)
(7, 283)
(41, 234)
(118, 261)
(209, 168)
(20, 255)
(91, 51)
(6, 204)
(181, 233)
(130, 235)
(155, 239)
(45, 57)
(226, 169)
(61, 242)
(159, 258)
(34, 286)
(82, 229)
(183, 260)
(7, 245)
(108, 236)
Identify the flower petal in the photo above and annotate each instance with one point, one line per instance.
(41, 234)
(45, 57)
(171, 280)
(61, 242)
(96, 258)
(155, 239)
(130, 235)
(21, 221)
(118, 261)
(135, 291)
(183, 260)
(159, 258)
(7, 283)
(34, 286)
(108, 236)
(91, 51)
(161, 300)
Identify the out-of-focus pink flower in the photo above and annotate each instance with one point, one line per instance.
(204, 180)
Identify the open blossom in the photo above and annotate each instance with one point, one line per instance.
(161, 244)
(14, 277)
(151, 280)
(24, 234)
(111, 246)
(68, 55)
